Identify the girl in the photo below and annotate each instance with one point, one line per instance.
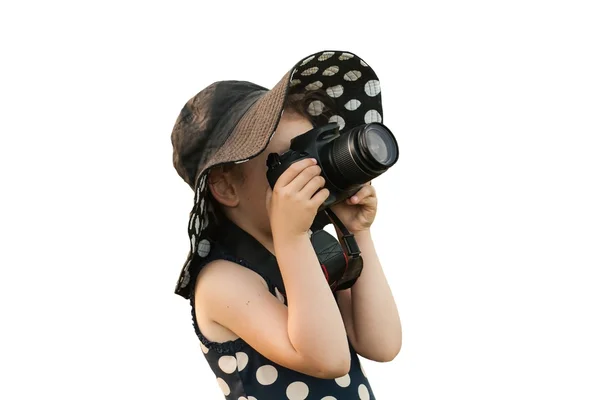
(270, 323)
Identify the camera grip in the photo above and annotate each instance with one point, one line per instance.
(278, 164)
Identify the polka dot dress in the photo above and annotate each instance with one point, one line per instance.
(242, 373)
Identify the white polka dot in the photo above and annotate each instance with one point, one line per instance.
(242, 398)
(242, 360)
(266, 375)
(352, 76)
(202, 205)
(352, 105)
(372, 88)
(364, 64)
(185, 279)
(310, 71)
(334, 69)
(328, 398)
(326, 56)
(224, 386)
(314, 86)
(193, 241)
(335, 91)
(186, 270)
(343, 381)
(203, 248)
(279, 296)
(204, 348)
(297, 391)
(197, 224)
(309, 59)
(346, 56)
(363, 392)
(372, 116)
(191, 221)
(251, 398)
(295, 82)
(316, 108)
(227, 364)
(338, 120)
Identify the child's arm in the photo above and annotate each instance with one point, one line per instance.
(308, 335)
(368, 308)
(305, 339)
(315, 325)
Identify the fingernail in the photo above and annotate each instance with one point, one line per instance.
(314, 160)
(354, 199)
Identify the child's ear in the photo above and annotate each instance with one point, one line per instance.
(222, 188)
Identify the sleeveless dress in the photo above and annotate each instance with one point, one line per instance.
(243, 373)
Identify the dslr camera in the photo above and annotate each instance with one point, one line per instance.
(347, 161)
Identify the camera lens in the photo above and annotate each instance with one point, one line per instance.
(360, 155)
(380, 145)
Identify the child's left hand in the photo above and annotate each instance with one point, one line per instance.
(358, 212)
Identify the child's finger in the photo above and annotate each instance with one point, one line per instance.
(312, 186)
(320, 197)
(302, 179)
(293, 171)
(365, 192)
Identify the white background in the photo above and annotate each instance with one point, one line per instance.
(488, 226)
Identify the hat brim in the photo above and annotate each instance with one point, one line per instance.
(254, 130)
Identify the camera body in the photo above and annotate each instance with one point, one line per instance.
(347, 161)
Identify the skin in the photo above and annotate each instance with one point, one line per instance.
(310, 334)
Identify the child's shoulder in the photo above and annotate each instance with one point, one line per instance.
(222, 295)
(219, 274)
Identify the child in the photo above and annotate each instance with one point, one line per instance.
(269, 323)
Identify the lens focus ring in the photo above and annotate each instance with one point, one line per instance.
(346, 166)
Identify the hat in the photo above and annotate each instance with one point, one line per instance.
(233, 121)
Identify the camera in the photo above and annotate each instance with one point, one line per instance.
(347, 160)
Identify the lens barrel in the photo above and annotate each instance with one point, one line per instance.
(360, 155)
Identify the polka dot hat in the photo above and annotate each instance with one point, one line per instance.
(233, 121)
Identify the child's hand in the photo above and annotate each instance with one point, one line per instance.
(358, 212)
(295, 199)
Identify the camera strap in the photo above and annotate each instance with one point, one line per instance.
(353, 263)
(348, 238)
(341, 263)
(340, 267)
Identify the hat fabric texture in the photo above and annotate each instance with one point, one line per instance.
(233, 121)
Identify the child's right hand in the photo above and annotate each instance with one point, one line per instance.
(295, 199)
